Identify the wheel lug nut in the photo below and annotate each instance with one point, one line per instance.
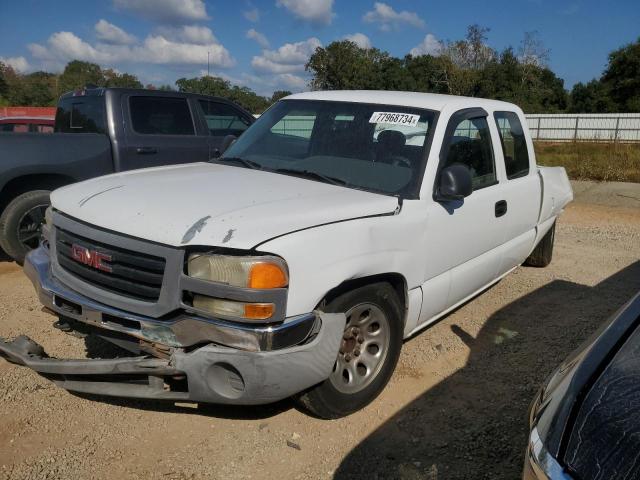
(347, 358)
(356, 353)
(360, 339)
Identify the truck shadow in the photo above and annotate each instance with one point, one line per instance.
(474, 423)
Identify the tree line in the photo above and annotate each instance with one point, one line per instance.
(463, 67)
(470, 67)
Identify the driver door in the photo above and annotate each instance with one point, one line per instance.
(464, 236)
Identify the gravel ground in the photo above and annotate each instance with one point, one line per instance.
(456, 407)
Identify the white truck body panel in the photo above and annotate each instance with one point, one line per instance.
(210, 204)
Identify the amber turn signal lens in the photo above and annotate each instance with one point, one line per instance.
(258, 311)
(267, 275)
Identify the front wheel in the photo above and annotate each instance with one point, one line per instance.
(368, 353)
(21, 223)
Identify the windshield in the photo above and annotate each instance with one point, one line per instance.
(379, 148)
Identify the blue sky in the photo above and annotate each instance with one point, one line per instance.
(264, 44)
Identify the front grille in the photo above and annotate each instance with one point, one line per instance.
(133, 274)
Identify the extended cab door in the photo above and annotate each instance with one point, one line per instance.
(521, 188)
(161, 130)
(464, 236)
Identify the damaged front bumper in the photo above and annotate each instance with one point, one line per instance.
(207, 360)
(210, 374)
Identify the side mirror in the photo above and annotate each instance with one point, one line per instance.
(224, 146)
(454, 183)
(227, 142)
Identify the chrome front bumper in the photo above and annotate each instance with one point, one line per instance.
(180, 330)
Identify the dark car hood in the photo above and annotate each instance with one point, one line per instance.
(565, 390)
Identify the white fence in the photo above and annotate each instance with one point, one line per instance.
(585, 127)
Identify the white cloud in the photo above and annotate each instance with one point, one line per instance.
(109, 33)
(189, 34)
(253, 15)
(258, 37)
(315, 11)
(430, 45)
(156, 49)
(291, 81)
(359, 39)
(289, 58)
(165, 11)
(19, 64)
(389, 19)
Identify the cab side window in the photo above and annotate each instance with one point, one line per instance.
(514, 144)
(470, 145)
(223, 119)
(161, 116)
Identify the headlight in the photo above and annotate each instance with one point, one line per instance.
(256, 272)
(247, 272)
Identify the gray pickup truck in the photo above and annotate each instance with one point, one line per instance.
(100, 131)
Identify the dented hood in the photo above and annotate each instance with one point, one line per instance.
(212, 204)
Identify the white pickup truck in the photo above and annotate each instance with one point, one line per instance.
(338, 225)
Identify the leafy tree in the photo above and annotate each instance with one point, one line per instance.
(216, 86)
(278, 94)
(345, 66)
(111, 78)
(78, 74)
(592, 97)
(622, 77)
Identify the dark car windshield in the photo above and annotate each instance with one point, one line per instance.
(81, 114)
(380, 148)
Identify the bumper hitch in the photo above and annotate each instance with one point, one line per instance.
(136, 377)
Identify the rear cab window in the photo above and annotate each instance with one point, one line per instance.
(514, 144)
(81, 114)
(155, 115)
(223, 119)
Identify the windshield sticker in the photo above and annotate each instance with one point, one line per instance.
(391, 118)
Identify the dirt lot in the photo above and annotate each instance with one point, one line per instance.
(456, 407)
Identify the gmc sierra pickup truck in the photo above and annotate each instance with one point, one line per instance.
(100, 131)
(337, 225)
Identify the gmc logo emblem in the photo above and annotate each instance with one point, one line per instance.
(91, 258)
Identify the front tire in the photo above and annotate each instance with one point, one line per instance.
(368, 354)
(21, 223)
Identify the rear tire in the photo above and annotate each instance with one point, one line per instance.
(542, 254)
(21, 223)
(373, 348)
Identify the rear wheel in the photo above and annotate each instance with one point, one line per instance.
(368, 353)
(21, 223)
(542, 254)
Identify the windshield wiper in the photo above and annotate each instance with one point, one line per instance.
(312, 175)
(242, 161)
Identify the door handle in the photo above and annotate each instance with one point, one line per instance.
(146, 150)
(501, 208)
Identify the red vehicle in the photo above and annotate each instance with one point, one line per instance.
(27, 124)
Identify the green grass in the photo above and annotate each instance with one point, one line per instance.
(618, 162)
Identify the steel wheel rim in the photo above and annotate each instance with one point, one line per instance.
(363, 348)
(30, 226)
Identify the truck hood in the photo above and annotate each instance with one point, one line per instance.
(212, 204)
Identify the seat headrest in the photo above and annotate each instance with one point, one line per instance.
(392, 140)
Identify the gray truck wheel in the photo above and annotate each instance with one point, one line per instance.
(21, 223)
(542, 254)
(368, 353)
